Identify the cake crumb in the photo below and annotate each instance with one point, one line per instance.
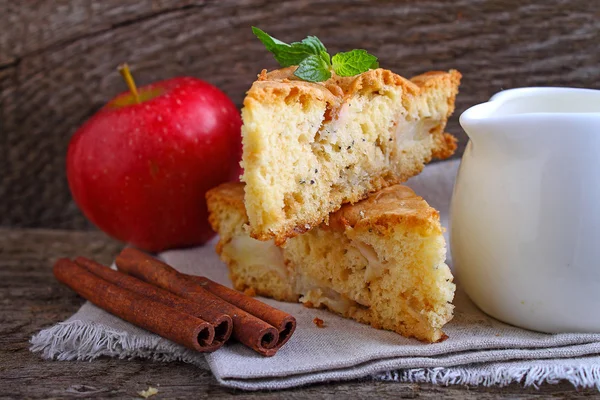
(250, 292)
(149, 392)
(319, 322)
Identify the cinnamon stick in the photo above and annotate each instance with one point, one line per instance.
(284, 322)
(248, 329)
(156, 317)
(222, 323)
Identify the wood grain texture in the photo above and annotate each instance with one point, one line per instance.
(58, 59)
(30, 299)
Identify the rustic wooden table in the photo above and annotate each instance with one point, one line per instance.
(30, 299)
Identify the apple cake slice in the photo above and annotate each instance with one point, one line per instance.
(309, 147)
(380, 261)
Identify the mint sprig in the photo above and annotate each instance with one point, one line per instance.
(313, 61)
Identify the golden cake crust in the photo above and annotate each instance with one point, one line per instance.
(222, 199)
(393, 204)
(337, 87)
(227, 195)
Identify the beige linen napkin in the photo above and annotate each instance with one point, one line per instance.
(479, 350)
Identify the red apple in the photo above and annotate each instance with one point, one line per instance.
(140, 171)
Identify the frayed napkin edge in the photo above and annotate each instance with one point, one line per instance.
(88, 340)
(581, 377)
(535, 376)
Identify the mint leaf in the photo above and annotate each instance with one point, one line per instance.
(313, 69)
(285, 54)
(353, 62)
(324, 55)
(289, 54)
(314, 44)
(270, 42)
(292, 54)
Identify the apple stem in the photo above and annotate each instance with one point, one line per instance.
(126, 74)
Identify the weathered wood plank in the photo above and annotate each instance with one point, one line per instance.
(30, 299)
(39, 25)
(64, 71)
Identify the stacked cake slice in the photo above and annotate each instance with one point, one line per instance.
(321, 218)
(311, 147)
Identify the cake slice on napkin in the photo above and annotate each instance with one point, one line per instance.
(309, 147)
(379, 261)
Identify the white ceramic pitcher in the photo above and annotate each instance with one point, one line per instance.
(525, 214)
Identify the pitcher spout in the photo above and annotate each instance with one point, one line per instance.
(479, 123)
(518, 120)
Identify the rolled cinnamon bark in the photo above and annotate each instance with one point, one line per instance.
(132, 307)
(284, 322)
(249, 330)
(222, 323)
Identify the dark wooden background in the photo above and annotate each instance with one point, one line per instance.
(58, 60)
